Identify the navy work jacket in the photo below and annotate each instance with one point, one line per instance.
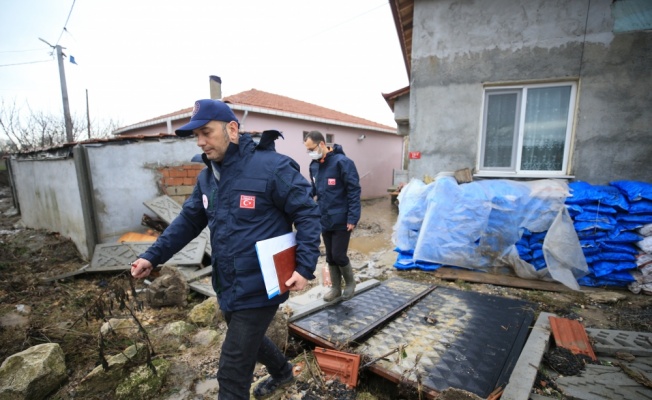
(260, 194)
(336, 184)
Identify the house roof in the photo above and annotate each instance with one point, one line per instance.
(268, 103)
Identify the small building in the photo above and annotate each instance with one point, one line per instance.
(376, 149)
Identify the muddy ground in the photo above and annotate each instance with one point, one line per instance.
(33, 311)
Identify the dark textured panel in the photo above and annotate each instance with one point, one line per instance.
(453, 338)
(349, 320)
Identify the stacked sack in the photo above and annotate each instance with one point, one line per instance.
(639, 218)
(608, 220)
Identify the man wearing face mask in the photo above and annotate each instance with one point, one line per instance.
(336, 186)
(247, 193)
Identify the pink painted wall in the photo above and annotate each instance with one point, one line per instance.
(375, 157)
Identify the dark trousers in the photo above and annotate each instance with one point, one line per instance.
(337, 245)
(244, 344)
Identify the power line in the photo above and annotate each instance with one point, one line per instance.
(23, 63)
(19, 51)
(344, 22)
(66, 24)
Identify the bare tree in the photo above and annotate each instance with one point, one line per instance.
(36, 129)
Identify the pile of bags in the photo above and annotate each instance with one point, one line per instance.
(577, 233)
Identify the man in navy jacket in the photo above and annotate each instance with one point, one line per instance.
(246, 194)
(336, 185)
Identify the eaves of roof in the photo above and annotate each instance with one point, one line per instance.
(403, 13)
(261, 102)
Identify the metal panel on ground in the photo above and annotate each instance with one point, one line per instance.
(453, 338)
(347, 321)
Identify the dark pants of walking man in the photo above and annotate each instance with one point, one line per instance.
(337, 245)
(238, 346)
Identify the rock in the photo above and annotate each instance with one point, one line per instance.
(125, 327)
(206, 338)
(177, 328)
(142, 383)
(205, 313)
(99, 381)
(32, 374)
(169, 289)
(606, 297)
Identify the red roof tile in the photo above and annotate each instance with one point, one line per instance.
(270, 101)
(258, 98)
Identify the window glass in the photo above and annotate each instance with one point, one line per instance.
(526, 128)
(501, 130)
(544, 132)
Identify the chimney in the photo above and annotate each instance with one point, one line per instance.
(215, 86)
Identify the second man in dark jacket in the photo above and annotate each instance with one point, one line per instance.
(336, 186)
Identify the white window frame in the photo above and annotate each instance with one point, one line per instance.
(515, 169)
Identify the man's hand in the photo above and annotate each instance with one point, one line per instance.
(350, 227)
(141, 268)
(296, 282)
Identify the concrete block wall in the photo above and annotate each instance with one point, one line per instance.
(178, 181)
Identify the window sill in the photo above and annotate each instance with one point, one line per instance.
(513, 175)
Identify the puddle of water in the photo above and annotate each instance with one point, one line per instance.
(203, 387)
(370, 244)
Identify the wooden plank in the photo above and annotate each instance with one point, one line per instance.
(501, 280)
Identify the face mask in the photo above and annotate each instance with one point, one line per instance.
(315, 155)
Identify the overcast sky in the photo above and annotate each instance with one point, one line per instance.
(141, 59)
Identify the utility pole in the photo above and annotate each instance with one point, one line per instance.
(64, 91)
(88, 117)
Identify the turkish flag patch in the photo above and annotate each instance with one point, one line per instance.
(331, 181)
(247, 201)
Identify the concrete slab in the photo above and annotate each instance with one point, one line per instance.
(612, 341)
(522, 379)
(118, 256)
(606, 381)
(168, 209)
(602, 382)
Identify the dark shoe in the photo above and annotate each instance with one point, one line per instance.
(270, 385)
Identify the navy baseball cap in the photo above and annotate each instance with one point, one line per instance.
(205, 111)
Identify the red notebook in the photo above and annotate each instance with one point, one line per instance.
(285, 263)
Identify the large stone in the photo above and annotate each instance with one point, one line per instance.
(32, 374)
(143, 383)
(206, 338)
(204, 313)
(99, 381)
(169, 289)
(178, 328)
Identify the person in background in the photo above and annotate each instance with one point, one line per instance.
(336, 187)
(246, 194)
